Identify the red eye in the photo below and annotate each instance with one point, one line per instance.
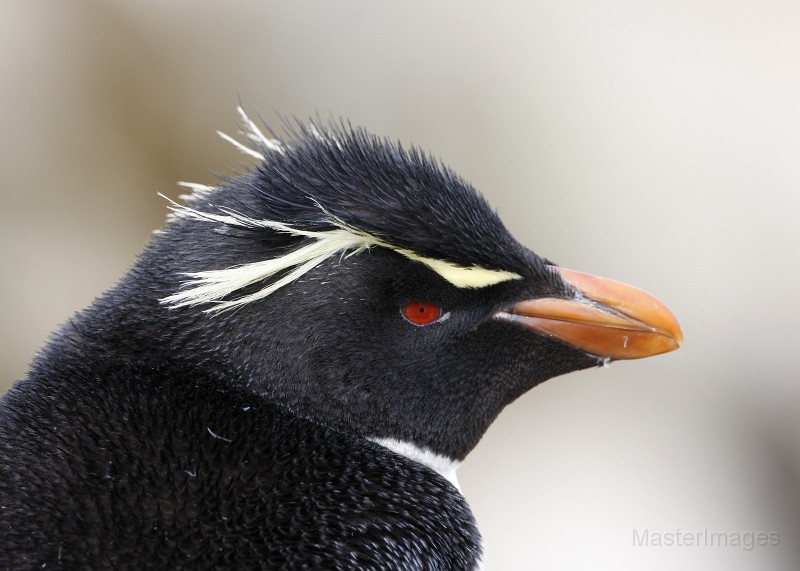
(421, 313)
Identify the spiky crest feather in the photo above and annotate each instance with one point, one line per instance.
(211, 287)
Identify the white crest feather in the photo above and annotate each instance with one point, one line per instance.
(197, 190)
(243, 148)
(253, 134)
(210, 287)
(462, 276)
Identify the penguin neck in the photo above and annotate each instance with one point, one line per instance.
(444, 466)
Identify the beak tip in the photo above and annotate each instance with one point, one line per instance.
(671, 328)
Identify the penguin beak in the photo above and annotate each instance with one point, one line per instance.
(606, 318)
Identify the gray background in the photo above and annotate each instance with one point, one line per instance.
(655, 143)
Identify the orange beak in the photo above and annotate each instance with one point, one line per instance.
(607, 318)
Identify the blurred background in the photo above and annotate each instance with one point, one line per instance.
(655, 143)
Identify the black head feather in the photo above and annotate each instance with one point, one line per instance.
(333, 345)
(401, 196)
(242, 436)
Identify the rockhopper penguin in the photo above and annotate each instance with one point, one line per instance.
(291, 373)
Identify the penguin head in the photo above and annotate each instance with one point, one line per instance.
(367, 287)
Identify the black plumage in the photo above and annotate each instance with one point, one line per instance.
(156, 435)
(117, 469)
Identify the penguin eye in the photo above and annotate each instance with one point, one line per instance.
(421, 312)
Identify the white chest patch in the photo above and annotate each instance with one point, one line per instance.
(446, 467)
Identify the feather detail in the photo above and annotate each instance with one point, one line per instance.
(210, 287)
(254, 135)
(213, 286)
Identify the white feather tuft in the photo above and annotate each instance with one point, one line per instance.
(210, 287)
(446, 467)
(254, 134)
(462, 276)
(245, 149)
(197, 190)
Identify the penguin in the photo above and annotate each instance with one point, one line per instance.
(293, 370)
